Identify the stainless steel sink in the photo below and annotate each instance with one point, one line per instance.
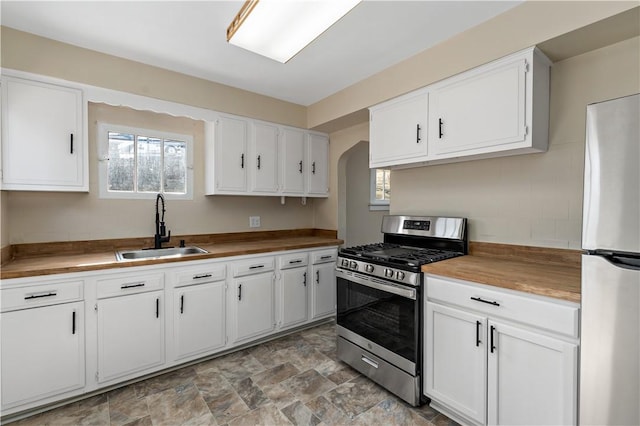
(163, 253)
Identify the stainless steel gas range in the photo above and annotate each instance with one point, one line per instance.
(379, 298)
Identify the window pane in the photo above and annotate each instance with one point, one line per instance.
(383, 185)
(175, 166)
(121, 165)
(387, 185)
(149, 164)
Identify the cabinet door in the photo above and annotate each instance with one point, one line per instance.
(255, 296)
(455, 360)
(398, 131)
(482, 110)
(231, 136)
(293, 164)
(318, 170)
(532, 379)
(130, 335)
(264, 162)
(294, 296)
(42, 353)
(43, 139)
(324, 289)
(199, 319)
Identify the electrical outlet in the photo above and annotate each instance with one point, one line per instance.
(254, 221)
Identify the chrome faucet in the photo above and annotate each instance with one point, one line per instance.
(161, 229)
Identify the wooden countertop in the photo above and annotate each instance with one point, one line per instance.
(546, 272)
(41, 261)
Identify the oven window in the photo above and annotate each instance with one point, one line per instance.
(387, 319)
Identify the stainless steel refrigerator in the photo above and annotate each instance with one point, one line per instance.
(610, 319)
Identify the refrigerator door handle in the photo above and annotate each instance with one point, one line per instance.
(626, 262)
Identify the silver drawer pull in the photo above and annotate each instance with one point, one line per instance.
(256, 266)
(132, 285)
(295, 261)
(369, 361)
(197, 277)
(40, 295)
(326, 257)
(489, 302)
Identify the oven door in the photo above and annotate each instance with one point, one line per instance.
(380, 316)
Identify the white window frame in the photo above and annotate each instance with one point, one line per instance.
(103, 163)
(375, 204)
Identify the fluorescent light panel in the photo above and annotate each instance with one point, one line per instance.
(279, 29)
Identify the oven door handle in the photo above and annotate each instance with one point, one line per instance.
(409, 293)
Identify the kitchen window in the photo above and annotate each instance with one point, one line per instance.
(140, 163)
(380, 191)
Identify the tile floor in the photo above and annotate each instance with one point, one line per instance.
(295, 379)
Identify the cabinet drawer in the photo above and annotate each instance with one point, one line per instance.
(554, 315)
(253, 266)
(324, 256)
(293, 260)
(203, 274)
(41, 295)
(129, 285)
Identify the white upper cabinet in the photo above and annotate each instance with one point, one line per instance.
(293, 161)
(398, 130)
(485, 112)
(44, 145)
(230, 159)
(252, 157)
(264, 157)
(318, 164)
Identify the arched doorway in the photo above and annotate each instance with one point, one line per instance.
(356, 223)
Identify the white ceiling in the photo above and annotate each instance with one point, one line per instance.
(189, 37)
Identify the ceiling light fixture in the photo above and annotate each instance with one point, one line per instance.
(279, 29)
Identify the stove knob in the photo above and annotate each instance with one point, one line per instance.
(400, 275)
(345, 263)
(353, 265)
(369, 268)
(388, 273)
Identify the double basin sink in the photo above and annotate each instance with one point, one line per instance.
(162, 253)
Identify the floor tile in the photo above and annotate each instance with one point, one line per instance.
(279, 395)
(125, 407)
(356, 396)
(300, 414)
(327, 412)
(276, 374)
(250, 393)
(308, 385)
(265, 415)
(227, 407)
(390, 412)
(178, 406)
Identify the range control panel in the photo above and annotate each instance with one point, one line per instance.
(417, 225)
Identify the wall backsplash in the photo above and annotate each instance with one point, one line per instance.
(47, 216)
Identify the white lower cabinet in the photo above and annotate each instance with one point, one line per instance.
(42, 353)
(456, 369)
(253, 298)
(198, 311)
(130, 326)
(323, 283)
(532, 378)
(499, 357)
(199, 319)
(293, 294)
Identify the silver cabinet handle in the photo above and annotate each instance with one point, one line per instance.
(369, 361)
